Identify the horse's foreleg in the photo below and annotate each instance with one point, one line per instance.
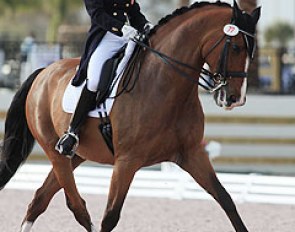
(123, 174)
(200, 168)
(43, 197)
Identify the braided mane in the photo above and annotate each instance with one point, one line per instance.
(185, 9)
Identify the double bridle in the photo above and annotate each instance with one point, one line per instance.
(219, 78)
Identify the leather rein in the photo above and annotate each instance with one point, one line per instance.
(219, 78)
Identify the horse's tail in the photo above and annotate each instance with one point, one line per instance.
(18, 141)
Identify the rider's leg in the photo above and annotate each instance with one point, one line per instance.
(68, 141)
(107, 48)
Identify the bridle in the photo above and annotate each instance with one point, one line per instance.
(219, 78)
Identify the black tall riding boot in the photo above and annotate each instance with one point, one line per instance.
(68, 143)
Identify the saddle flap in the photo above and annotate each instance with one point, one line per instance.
(108, 74)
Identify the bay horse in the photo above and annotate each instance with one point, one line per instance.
(160, 119)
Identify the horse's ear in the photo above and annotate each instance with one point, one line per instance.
(256, 14)
(236, 11)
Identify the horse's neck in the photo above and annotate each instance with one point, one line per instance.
(182, 37)
(178, 40)
(175, 38)
(159, 84)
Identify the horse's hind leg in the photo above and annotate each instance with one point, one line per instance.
(64, 174)
(43, 197)
(200, 168)
(40, 201)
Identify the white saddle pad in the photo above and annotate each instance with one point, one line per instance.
(72, 93)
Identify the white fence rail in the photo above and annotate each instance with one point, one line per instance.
(175, 185)
(255, 138)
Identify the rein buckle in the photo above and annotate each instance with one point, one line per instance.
(219, 81)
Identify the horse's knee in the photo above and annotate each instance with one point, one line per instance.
(226, 201)
(223, 197)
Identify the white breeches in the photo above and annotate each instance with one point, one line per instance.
(106, 49)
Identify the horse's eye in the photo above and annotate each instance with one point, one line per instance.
(236, 48)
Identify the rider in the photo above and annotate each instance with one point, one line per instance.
(113, 23)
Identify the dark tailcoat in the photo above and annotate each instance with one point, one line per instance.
(106, 15)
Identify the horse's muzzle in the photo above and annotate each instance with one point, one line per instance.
(228, 102)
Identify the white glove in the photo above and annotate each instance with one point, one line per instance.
(129, 32)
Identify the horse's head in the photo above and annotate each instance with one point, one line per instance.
(229, 57)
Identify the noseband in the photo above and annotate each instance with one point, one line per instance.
(220, 76)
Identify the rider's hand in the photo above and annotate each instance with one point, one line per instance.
(129, 32)
(144, 33)
(147, 28)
